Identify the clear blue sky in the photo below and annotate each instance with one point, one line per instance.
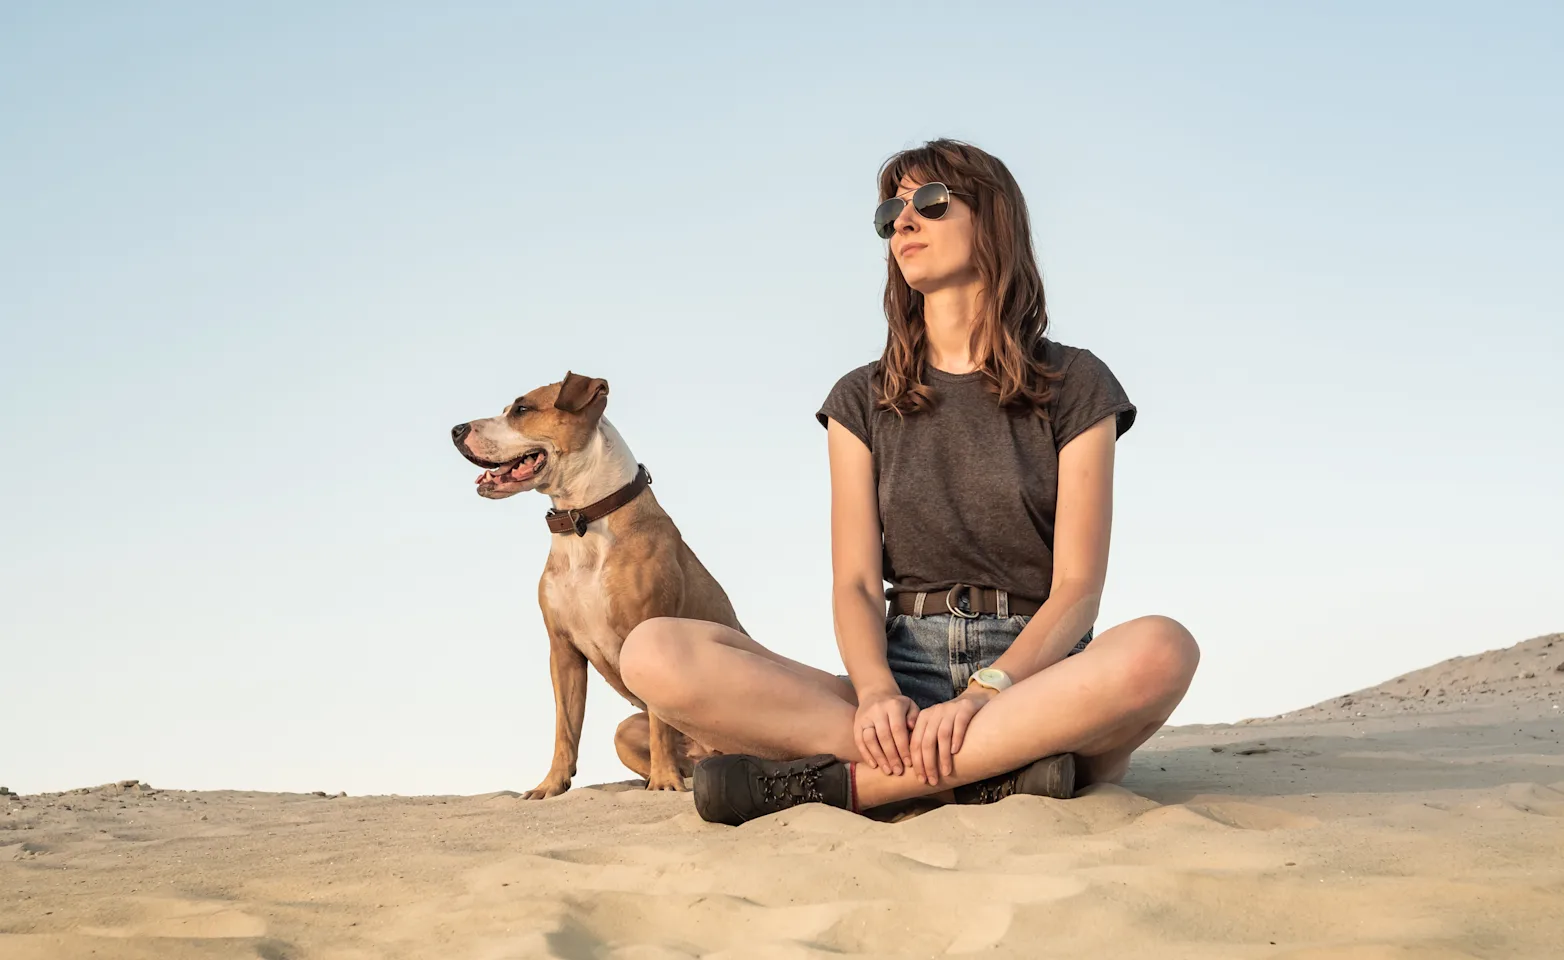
(255, 263)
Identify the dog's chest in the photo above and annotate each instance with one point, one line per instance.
(577, 598)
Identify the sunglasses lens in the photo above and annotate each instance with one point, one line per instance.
(931, 200)
(885, 217)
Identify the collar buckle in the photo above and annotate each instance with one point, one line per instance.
(576, 520)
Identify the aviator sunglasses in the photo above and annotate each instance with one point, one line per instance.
(931, 201)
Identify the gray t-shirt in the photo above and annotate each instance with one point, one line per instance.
(967, 490)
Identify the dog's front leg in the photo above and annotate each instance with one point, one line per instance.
(568, 670)
(666, 742)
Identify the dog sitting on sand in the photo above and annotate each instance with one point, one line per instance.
(616, 559)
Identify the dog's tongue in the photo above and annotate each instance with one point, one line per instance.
(520, 473)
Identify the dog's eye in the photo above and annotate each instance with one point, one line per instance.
(518, 408)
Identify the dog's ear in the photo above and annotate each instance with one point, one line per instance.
(578, 392)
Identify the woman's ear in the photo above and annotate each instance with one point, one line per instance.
(578, 392)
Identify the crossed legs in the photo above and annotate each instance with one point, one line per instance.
(732, 694)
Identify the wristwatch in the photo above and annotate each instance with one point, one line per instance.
(995, 680)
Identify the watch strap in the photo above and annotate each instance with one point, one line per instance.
(974, 681)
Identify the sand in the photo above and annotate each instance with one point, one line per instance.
(1420, 818)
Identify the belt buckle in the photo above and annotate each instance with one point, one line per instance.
(963, 614)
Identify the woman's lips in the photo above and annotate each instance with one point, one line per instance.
(912, 248)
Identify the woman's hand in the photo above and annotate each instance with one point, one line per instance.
(881, 730)
(940, 729)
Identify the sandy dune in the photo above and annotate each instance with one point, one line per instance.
(1423, 818)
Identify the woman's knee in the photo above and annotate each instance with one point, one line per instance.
(1163, 662)
(654, 659)
(646, 652)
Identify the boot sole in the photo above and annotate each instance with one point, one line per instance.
(711, 800)
(1049, 777)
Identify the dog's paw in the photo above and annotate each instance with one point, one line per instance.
(666, 781)
(551, 787)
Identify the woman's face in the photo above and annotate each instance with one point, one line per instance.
(933, 253)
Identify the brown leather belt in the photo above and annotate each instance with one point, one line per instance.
(964, 601)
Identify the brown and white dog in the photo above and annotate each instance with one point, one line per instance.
(603, 576)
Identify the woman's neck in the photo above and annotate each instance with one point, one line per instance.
(949, 316)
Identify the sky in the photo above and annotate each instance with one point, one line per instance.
(256, 261)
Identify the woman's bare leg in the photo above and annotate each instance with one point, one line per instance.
(732, 694)
(1099, 705)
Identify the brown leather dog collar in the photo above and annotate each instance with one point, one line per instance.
(575, 521)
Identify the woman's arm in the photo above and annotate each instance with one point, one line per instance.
(857, 576)
(882, 726)
(1083, 519)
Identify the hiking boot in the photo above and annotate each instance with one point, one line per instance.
(733, 788)
(1049, 777)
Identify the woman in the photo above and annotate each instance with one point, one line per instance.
(972, 469)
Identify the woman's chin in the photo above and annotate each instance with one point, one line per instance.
(925, 281)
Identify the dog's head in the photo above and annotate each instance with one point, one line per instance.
(522, 448)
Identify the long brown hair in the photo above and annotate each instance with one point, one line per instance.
(1012, 315)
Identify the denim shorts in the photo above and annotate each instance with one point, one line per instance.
(932, 658)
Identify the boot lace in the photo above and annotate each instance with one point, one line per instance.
(992, 791)
(792, 787)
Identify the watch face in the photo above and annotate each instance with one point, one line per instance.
(990, 675)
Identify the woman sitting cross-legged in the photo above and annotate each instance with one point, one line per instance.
(972, 470)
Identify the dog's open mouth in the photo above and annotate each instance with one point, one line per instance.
(520, 470)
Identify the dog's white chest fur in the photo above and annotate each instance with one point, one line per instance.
(578, 598)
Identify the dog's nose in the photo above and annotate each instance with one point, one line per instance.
(459, 431)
